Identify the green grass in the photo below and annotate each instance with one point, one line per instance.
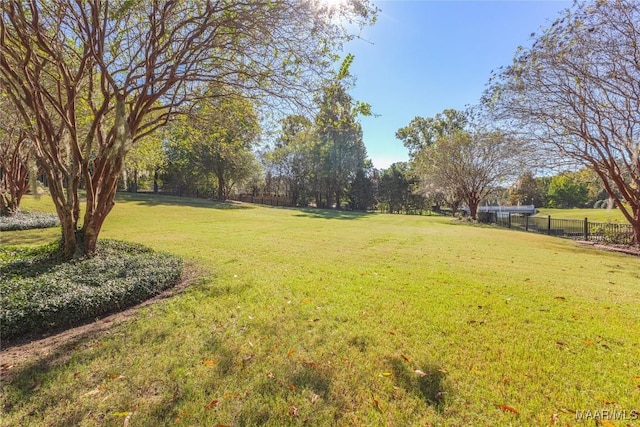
(321, 318)
(594, 215)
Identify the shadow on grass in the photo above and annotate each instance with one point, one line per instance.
(41, 370)
(330, 214)
(428, 385)
(149, 199)
(38, 376)
(29, 237)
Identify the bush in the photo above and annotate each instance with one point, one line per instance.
(39, 292)
(23, 220)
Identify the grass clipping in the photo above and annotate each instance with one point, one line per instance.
(39, 292)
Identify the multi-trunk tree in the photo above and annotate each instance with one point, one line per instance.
(469, 165)
(16, 159)
(576, 92)
(90, 78)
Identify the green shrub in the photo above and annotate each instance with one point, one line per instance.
(38, 292)
(23, 220)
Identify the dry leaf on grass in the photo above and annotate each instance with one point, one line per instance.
(507, 408)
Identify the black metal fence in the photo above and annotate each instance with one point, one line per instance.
(579, 229)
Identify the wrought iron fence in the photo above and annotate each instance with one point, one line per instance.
(579, 229)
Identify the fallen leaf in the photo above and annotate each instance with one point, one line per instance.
(115, 377)
(406, 359)
(588, 342)
(507, 408)
(6, 366)
(270, 375)
(37, 386)
(386, 374)
(126, 420)
(560, 298)
(314, 398)
(555, 419)
(420, 373)
(292, 387)
(376, 404)
(605, 423)
(290, 353)
(212, 404)
(209, 362)
(636, 378)
(607, 401)
(561, 343)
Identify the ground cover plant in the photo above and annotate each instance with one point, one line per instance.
(335, 318)
(25, 220)
(40, 293)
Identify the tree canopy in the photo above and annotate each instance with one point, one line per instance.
(91, 78)
(575, 91)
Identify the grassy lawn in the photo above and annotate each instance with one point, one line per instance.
(323, 318)
(595, 215)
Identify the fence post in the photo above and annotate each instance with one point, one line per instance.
(586, 229)
(549, 224)
(509, 220)
(526, 223)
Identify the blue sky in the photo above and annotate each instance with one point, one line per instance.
(422, 57)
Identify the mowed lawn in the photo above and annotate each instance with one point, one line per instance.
(593, 215)
(307, 317)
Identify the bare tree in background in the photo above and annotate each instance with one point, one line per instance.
(468, 165)
(89, 78)
(577, 91)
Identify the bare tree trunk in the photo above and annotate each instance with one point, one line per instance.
(635, 225)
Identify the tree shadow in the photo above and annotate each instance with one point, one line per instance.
(330, 214)
(151, 199)
(29, 237)
(427, 382)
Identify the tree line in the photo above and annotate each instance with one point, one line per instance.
(105, 92)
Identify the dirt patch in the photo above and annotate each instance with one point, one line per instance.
(15, 353)
(625, 249)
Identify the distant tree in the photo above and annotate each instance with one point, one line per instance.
(340, 135)
(469, 165)
(395, 188)
(575, 90)
(565, 192)
(225, 130)
(291, 159)
(133, 65)
(361, 190)
(147, 156)
(526, 192)
(423, 132)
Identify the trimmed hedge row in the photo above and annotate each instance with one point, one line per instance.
(38, 292)
(23, 220)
